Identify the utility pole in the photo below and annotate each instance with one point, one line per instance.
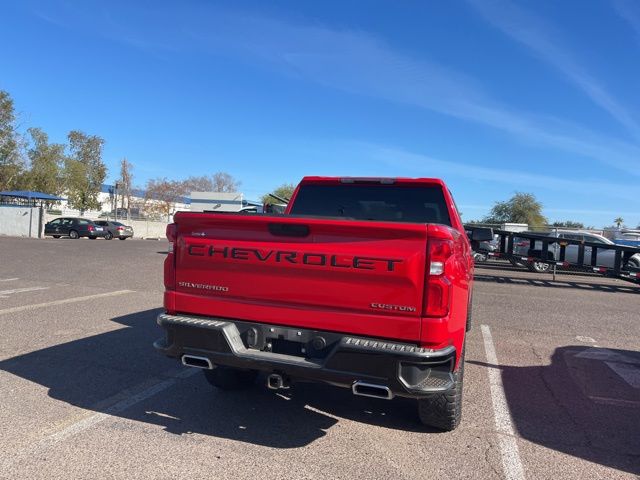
(116, 201)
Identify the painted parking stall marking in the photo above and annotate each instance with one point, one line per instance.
(511, 462)
(63, 301)
(6, 293)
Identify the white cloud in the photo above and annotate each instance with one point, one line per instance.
(629, 10)
(424, 165)
(356, 62)
(547, 43)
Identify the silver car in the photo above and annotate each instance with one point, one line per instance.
(605, 258)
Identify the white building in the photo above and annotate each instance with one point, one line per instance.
(218, 201)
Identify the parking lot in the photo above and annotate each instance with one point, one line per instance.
(552, 384)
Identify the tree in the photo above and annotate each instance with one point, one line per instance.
(285, 191)
(197, 184)
(568, 224)
(619, 221)
(223, 182)
(84, 171)
(521, 208)
(161, 195)
(11, 160)
(46, 162)
(126, 179)
(218, 182)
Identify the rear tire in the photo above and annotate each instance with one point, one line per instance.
(56, 236)
(444, 410)
(108, 236)
(92, 238)
(123, 238)
(74, 235)
(227, 378)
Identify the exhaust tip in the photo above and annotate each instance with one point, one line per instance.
(197, 362)
(371, 390)
(276, 382)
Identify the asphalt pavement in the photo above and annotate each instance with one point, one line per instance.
(552, 384)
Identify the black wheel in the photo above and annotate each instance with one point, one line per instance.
(92, 238)
(444, 410)
(123, 238)
(539, 267)
(73, 234)
(56, 236)
(227, 378)
(108, 236)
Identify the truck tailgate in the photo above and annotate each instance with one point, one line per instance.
(342, 275)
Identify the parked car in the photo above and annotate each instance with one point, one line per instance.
(115, 230)
(605, 258)
(73, 228)
(629, 239)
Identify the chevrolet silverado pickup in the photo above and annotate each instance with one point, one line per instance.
(362, 283)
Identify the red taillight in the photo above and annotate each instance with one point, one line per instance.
(171, 232)
(120, 228)
(170, 261)
(438, 288)
(90, 228)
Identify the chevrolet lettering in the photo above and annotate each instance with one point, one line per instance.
(294, 257)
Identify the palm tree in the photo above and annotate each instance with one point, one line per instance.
(618, 221)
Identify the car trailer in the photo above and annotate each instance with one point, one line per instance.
(539, 251)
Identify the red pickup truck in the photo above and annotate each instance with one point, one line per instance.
(361, 283)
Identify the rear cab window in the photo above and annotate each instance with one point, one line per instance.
(379, 202)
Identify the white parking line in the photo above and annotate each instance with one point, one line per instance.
(122, 405)
(92, 420)
(9, 279)
(511, 463)
(581, 338)
(63, 301)
(616, 402)
(21, 290)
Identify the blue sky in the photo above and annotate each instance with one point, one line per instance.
(493, 96)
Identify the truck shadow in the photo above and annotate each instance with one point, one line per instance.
(97, 372)
(579, 405)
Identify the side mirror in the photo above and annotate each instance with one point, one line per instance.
(482, 234)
